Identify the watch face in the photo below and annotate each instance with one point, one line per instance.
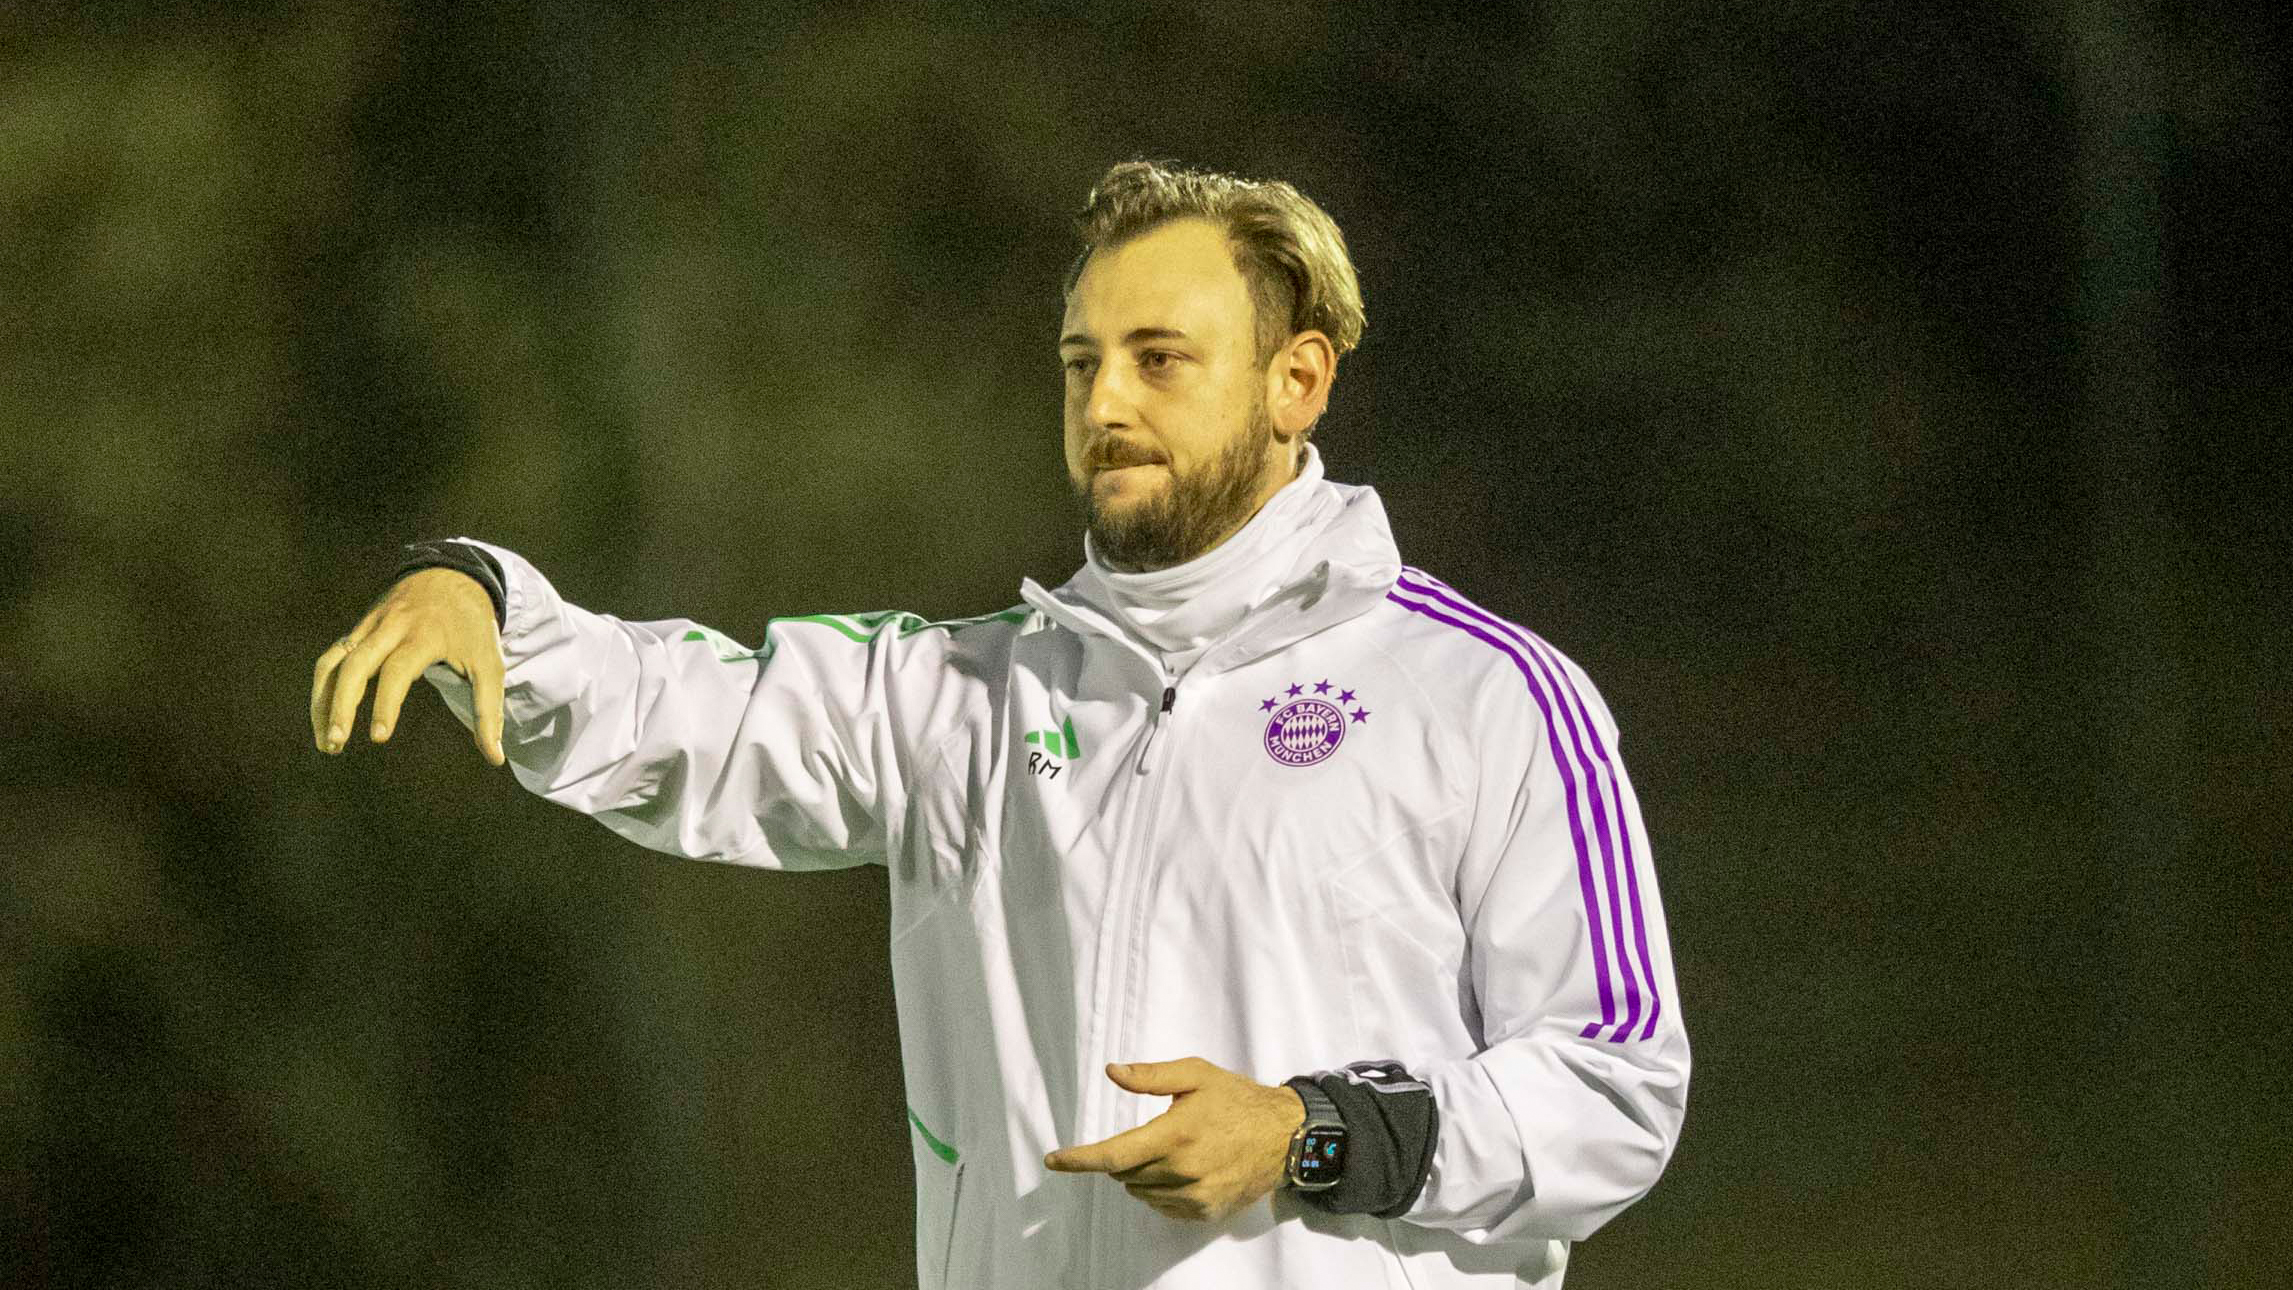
(1321, 1158)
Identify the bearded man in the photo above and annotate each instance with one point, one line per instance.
(1247, 816)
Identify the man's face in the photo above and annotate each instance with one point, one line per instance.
(1169, 445)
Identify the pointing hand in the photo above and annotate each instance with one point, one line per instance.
(1223, 1144)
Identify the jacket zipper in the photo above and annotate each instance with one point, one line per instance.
(1130, 892)
(1154, 724)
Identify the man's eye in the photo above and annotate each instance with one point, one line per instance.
(1154, 360)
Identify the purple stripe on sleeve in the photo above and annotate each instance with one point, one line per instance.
(1585, 887)
(1546, 653)
(1600, 797)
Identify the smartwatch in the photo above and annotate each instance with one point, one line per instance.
(1318, 1147)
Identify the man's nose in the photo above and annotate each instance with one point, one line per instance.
(1110, 405)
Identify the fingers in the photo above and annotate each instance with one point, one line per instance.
(1126, 1150)
(322, 689)
(1159, 1172)
(1150, 1141)
(392, 683)
(485, 673)
(421, 621)
(1160, 1200)
(350, 680)
(1178, 1203)
(326, 674)
(1166, 1079)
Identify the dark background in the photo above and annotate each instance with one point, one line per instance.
(1886, 403)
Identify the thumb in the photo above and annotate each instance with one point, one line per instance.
(1166, 1079)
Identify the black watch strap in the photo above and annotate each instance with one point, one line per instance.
(1319, 1108)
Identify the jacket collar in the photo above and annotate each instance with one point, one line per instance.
(1345, 571)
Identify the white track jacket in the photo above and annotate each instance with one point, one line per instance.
(1372, 821)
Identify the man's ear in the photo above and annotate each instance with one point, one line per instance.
(1298, 383)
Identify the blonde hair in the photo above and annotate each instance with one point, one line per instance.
(1288, 249)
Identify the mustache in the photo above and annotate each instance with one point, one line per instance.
(1114, 454)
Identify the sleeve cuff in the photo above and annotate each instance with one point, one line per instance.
(1391, 1127)
(462, 557)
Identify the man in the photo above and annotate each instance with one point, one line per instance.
(1246, 815)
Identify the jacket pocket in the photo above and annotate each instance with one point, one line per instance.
(939, 1188)
(950, 1214)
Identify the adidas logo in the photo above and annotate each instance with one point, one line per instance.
(1054, 749)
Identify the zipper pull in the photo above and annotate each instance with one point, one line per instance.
(1154, 724)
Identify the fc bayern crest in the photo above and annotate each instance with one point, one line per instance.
(1308, 723)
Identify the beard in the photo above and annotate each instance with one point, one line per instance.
(1195, 510)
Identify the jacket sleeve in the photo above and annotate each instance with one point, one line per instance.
(1572, 1107)
(794, 755)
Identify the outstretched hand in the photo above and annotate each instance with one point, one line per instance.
(1223, 1144)
(429, 616)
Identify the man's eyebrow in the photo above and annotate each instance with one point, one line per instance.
(1131, 337)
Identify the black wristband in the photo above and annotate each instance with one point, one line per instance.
(461, 557)
(1391, 1127)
